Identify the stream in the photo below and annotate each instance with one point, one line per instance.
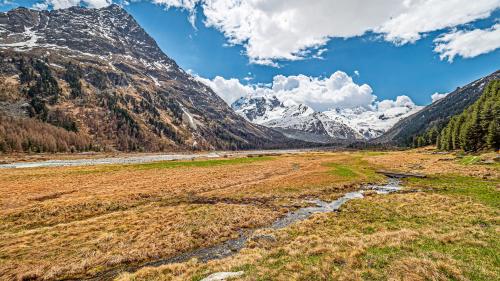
(233, 246)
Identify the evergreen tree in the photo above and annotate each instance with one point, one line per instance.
(477, 127)
(493, 135)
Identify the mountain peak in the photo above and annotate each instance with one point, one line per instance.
(105, 77)
(105, 32)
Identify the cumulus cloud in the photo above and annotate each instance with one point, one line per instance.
(321, 94)
(468, 44)
(401, 101)
(228, 89)
(421, 16)
(272, 30)
(438, 96)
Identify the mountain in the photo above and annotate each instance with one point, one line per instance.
(372, 123)
(477, 127)
(262, 109)
(100, 77)
(437, 114)
(299, 121)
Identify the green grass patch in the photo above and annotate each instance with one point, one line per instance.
(341, 170)
(170, 165)
(200, 163)
(480, 190)
(469, 160)
(472, 258)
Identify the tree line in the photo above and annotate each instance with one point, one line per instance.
(476, 128)
(32, 135)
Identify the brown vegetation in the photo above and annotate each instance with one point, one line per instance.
(72, 222)
(31, 135)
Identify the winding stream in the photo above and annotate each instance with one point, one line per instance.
(233, 246)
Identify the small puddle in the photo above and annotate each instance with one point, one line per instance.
(233, 246)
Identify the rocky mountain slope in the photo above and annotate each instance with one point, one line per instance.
(302, 122)
(97, 74)
(436, 114)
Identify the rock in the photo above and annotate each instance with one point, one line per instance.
(221, 276)
(264, 238)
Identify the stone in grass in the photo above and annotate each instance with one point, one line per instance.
(221, 276)
(264, 238)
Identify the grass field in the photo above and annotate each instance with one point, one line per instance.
(75, 222)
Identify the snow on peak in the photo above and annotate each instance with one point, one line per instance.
(373, 122)
(339, 123)
(262, 109)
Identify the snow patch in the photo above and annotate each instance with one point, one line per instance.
(155, 80)
(189, 117)
(28, 44)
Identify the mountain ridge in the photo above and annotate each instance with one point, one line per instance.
(436, 114)
(98, 70)
(341, 124)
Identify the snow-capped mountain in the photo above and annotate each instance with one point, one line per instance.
(263, 109)
(371, 123)
(302, 122)
(297, 121)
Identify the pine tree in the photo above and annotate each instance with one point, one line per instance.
(493, 135)
(476, 128)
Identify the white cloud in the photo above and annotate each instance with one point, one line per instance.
(272, 30)
(468, 44)
(421, 16)
(228, 89)
(438, 96)
(338, 90)
(401, 101)
(6, 2)
(40, 6)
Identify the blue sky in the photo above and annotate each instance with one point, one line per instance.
(412, 69)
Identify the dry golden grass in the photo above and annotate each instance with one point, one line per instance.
(75, 221)
(424, 161)
(416, 236)
(447, 231)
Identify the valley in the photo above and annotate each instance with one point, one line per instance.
(79, 222)
(264, 151)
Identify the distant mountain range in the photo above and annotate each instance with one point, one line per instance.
(302, 122)
(98, 74)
